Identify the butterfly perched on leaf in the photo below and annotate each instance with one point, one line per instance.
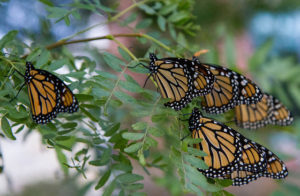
(48, 95)
(267, 111)
(229, 89)
(180, 80)
(231, 155)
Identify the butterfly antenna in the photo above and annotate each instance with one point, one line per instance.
(18, 92)
(185, 137)
(19, 73)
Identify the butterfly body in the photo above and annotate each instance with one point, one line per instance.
(48, 95)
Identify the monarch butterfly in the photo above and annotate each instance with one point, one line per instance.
(275, 169)
(267, 111)
(48, 95)
(178, 80)
(227, 150)
(230, 89)
(231, 155)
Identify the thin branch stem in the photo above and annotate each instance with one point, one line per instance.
(109, 37)
(125, 49)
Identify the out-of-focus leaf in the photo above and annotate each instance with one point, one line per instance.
(133, 147)
(129, 178)
(103, 179)
(5, 126)
(133, 136)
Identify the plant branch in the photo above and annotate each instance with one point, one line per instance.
(109, 37)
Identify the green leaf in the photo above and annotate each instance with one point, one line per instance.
(47, 2)
(56, 12)
(132, 17)
(168, 9)
(103, 179)
(62, 160)
(56, 64)
(112, 130)
(43, 58)
(161, 21)
(150, 142)
(133, 136)
(156, 132)
(84, 97)
(6, 128)
(67, 20)
(124, 54)
(135, 186)
(133, 147)
(196, 152)
(124, 97)
(194, 161)
(113, 61)
(106, 75)
(88, 114)
(147, 9)
(109, 189)
(144, 24)
(139, 126)
(177, 16)
(105, 157)
(132, 87)
(129, 178)
(69, 125)
(11, 35)
(194, 189)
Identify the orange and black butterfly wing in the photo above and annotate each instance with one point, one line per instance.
(249, 92)
(43, 97)
(48, 95)
(68, 102)
(220, 143)
(279, 114)
(224, 94)
(268, 110)
(276, 168)
(173, 79)
(242, 177)
(203, 79)
(254, 116)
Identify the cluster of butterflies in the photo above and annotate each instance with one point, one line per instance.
(230, 155)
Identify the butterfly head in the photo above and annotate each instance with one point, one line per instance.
(29, 66)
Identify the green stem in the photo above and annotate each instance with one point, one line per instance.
(125, 49)
(147, 128)
(157, 42)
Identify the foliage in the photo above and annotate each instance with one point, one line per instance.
(120, 124)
